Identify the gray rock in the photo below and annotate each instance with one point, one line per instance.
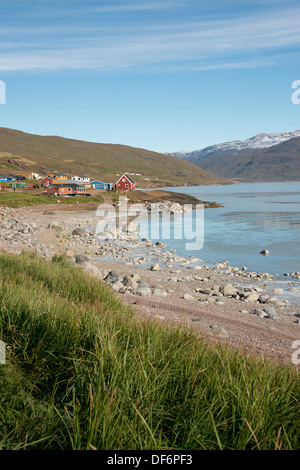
(204, 291)
(159, 293)
(160, 245)
(92, 269)
(228, 290)
(259, 313)
(272, 300)
(142, 283)
(117, 286)
(271, 313)
(79, 231)
(81, 258)
(188, 297)
(263, 298)
(155, 267)
(252, 297)
(128, 281)
(144, 291)
(265, 252)
(112, 277)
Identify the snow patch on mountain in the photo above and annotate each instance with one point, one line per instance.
(259, 141)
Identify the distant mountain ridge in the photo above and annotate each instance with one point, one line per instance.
(259, 141)
(269, 157)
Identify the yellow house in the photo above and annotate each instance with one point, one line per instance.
(58, 176)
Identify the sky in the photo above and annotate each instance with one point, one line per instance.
(164, 75)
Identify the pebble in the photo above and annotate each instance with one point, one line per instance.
(188, 297)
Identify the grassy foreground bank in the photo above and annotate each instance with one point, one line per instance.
(23, 198)
(83, 372)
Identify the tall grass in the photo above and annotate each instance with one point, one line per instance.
(83, 372)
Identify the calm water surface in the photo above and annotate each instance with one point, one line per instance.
(255, 216)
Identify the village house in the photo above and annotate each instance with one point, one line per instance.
(49, 180)
(125, 183)
(35, 176)
(81, 179)
(17, 185)
(96, 184)
(72, 189)
(58, 176)
(4, 178)
(46, 181)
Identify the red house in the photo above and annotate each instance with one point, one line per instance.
(46, 182)
(125, 183)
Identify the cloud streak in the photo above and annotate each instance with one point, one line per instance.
(253, 41)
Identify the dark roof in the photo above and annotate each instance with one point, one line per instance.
(72, 185)
(128, 177)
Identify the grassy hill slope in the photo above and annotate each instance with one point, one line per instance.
(21, 151)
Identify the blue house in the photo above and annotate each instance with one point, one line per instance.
(4, 178)
(101, 185)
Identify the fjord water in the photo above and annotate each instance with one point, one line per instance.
(255, 216)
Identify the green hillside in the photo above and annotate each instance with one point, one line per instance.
(20, 151)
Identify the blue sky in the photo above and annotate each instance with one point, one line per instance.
(164, 75)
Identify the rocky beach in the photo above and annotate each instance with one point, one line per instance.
(221, 303)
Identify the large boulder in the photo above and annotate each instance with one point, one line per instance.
(251, 297)
(228, 290)
(144, 291)
(92, 270)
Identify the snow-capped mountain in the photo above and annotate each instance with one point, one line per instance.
(264, 157)
(259, 141)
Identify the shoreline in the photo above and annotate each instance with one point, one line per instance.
(220, 303)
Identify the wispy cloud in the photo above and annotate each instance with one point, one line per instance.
(253, 40)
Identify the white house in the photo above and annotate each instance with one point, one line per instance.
(81, 179)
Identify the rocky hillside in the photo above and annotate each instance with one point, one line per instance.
(265, 157)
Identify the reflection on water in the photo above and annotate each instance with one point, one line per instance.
(266, 194)
(279, 220)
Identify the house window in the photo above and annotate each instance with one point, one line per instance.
(123, 180)
(126, 185)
